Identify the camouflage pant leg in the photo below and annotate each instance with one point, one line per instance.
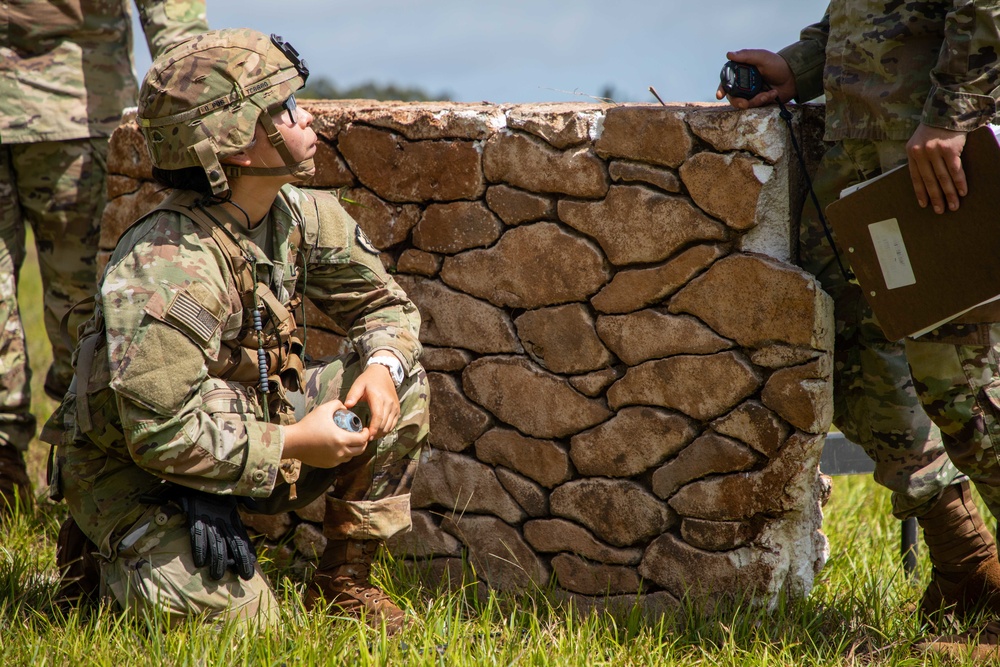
(157, 576)
(17, 425)
(960, 389)
(875, 402)
(57, 188)
(368, 498)
(62, 191)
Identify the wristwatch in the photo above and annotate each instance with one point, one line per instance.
(390, 362)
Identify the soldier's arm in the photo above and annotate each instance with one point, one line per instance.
(347, 281)
(167, 304)
(965, 84)
(795, 72)
(166, 22)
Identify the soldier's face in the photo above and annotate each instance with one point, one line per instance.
(298, 135)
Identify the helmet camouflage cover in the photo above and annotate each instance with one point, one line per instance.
(202, 99)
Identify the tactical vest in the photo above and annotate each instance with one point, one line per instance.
(96, 411)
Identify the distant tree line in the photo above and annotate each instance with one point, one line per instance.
(323, 88)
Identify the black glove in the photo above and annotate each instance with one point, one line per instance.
(218, 537)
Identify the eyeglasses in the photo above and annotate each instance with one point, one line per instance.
(292, 54)
(290, 106)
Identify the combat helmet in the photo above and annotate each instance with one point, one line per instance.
(201, 100)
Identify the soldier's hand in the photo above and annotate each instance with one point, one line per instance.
(317, 441)
(375, 388)
(935, 161)
(776, 72)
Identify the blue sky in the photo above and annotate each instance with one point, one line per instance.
(522, 50)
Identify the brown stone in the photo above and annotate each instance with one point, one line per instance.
(758, 131)
(710, 454)
(419, 262)
(433, 120)
(122, 211)
(575, 574)
(444, 359)
(756, 300)
(498, 552)
(309, 541)
(617, 511)
(716, 535)
(456, 422)
(562, 339)
(653, 334)
(802, 395)
(780, 356)
(271, 526)
(780, 487)
(424, 540)
(647, 134)
(451, 228)
(553, 535)
(702, 387)
(705, 576)
(544, 461)
(727, 186)
(453, 319)
(530, 399)
(594, 384)
(412, 171)
(386, 224)
(315, 318)
(636, 225)
(560, 127)
(527, 163)
(314, 511)
(127, 153)
(531, 266)
(754, 425)
(331, 170)
(633, 289)
(461, 484)
(518, 206)
(623, 171)
(631, 442)
(121, 185)
(529, 495)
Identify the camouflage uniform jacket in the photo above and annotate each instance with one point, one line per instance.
(168, 301)
(886, 66)
(66, 66)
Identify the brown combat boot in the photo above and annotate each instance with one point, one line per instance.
(965, 578)
(343, 581)
(15, 487)
(80, 575)
(971, 647)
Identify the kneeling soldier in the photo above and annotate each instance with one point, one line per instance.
(192, 396)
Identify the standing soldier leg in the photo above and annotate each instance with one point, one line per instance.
(17, 424)
(959, 386)
(875, 401)
(62, 186)
(369, 501)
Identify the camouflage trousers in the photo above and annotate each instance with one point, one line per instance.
(367, 498)
(58, 188)
(875, 402)
(959, 386)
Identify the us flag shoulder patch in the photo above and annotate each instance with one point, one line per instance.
(186, 311)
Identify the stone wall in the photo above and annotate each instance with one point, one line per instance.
(630, 381)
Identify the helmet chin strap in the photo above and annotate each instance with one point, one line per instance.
(301, 170)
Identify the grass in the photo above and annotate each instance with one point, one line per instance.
(857, 613)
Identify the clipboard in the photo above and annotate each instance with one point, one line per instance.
(918, 269)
